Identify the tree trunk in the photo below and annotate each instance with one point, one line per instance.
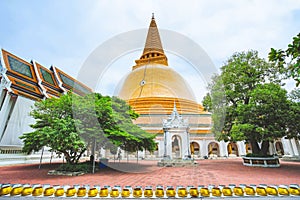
(265, 148)
(255, 147)
(67, 157)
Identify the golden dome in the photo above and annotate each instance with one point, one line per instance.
(152, 87)
(155, 80)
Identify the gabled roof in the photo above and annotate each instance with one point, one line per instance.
(48, 81)
(22, 76)
(34, 81)
(69, 83)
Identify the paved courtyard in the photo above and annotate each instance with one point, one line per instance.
(217, 172)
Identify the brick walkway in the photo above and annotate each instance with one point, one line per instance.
(217, 172)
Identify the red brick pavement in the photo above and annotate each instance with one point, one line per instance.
(217, 172)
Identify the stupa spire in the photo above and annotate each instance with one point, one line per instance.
(153, 42)
(153, 51)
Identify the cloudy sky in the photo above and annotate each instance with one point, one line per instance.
(65, 33)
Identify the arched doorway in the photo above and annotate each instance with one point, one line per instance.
(176, 146)
(195, 149)
(232, 149)
(279, 148)
(213, 149)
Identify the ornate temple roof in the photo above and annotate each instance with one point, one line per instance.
(32, 80)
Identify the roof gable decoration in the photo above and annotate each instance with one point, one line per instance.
(175, 120)
(67, 82)
(2, 69)
(19, 77)
(5, 82)
(19, 67)
(47, 81)
(59, 81)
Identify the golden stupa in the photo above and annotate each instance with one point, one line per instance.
(153, 88)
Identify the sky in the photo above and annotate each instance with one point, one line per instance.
(65, 33)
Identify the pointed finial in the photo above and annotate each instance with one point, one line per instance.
(152, 15)
(174, 108)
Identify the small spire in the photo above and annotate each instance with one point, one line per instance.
(174, 108)
(152, 15)
(175, 113)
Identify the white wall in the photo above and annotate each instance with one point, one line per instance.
(18, 123)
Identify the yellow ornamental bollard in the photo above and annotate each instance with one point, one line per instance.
(159, 192)
(16, 191)
(171, 192)
(271, 191)
(283, 190)
(81, 192)
(182, 192)
(194, 192)
(49, 191)
(71, 192)
(5, 190)
(103, 192)
(249, 191)
(148, 192)
(114, 193)
(227, 191)
(137, 192)
(238, 191)
(294, 191)
(37, 191)
(59, 192)
(125, 193)
(204, 192)
(27, 191)
(216, 192)
(93, 192)
(261, 191)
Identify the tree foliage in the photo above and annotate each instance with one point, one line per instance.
(247, 101)
(56, 128)
(288, 61)
(207, 103)
(71, 124)
(294, 114)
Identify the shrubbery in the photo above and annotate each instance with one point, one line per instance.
(79, 167)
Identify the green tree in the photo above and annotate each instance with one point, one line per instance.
(295, 95)
(294, 114)
(237, 101)
(56, 128)
(263, 119)
(207, 102)
(71, 124)
(288, 61)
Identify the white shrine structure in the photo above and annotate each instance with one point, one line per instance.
(176, 136)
